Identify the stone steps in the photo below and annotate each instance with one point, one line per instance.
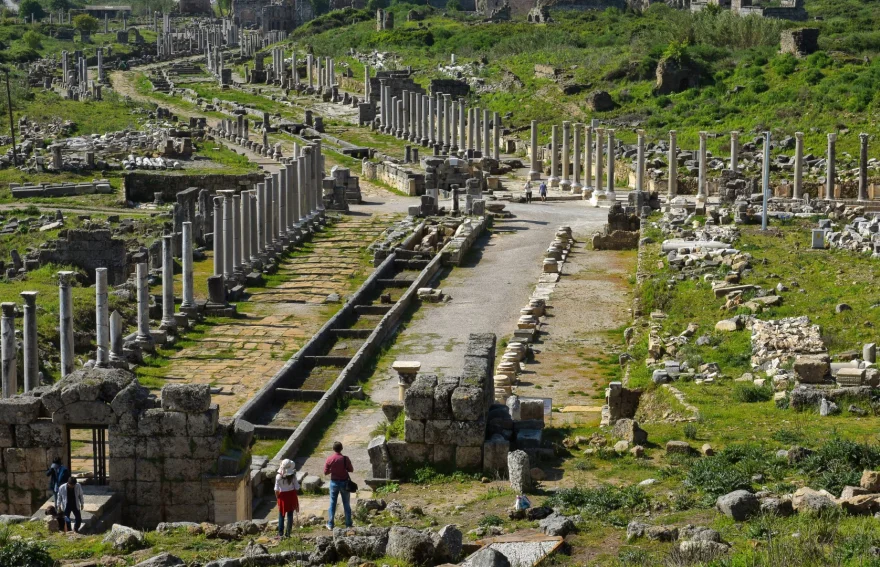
(103, 508)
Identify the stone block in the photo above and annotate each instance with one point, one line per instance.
(7, 439)
(468, 403)
(242, 432)
(812, 369)
(148, 493)
(20, 410)
(437, 431)
(122, 446)
(124, 470)
(84, 413)
(414, 431)
(468, 433)
(149, 470)
(442, 398)
(495, 455)
(187, 398)
(42, 433)
(468, 458)
(202, 424)
(528, 439)
(180, 470)
(419, 400)
(629, 430)
(519, 472)
(402, 452)
(207, 447)
(850, 376)
(531, 408)
(443, 454)
(160, 423)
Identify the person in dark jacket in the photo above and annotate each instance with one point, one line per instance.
(338, 467)
(58, 475)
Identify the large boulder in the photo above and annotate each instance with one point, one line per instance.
(600, 101)
(629, 430)
(870, 481)
(188, 398)
(557, 525)
(700, 551)
(812, 369)
(488, 557)
(410, 545)
(739, 505)
(124, 538)
(447, 545)
(808, 500)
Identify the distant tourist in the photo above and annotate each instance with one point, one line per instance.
(71, 500)
(338, 467)
(58, 475)
(542, 191)
(528, 191)
(285, 493)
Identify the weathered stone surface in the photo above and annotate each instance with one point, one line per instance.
(414, 430)
(680, 447)
(861, 504)
(468, 458)
(187, 398)
(442, 398)
(162, 560)
(488, 557)
(359, 543)
(739, 505)
(447, 545)
(519, 471)
(419, 400)
(410, 545)
(557, 525)
(776, 506)
(808, 500)
(812, 369)
(19, 410)
(495, 452)
(870, 481)
(699, 551)
(698, 533)
(124, 538)
(629, 430)
(467, 403)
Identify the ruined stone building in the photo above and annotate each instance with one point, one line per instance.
(269, 15)
(195, 7)
(539, 11)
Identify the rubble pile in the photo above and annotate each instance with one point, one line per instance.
(777, 342)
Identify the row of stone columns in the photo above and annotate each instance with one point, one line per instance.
(438, 121)
(253, 226)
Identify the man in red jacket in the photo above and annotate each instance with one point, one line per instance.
(338, 466)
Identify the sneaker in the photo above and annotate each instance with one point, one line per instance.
(329, 527)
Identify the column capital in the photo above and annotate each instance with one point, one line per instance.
(734, 134)
(703, 135)
(640, 133)
(863, 138)
(799, 135)
(673, 134)
(30, 297)
(8, 308)
(832, 137)
(65, 278)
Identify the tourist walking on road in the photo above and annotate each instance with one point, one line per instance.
(71, 501)
(542, 191)
(528, 191)
(338, 467)
(285, 493)
(58, 475)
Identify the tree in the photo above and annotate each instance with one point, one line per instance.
(453, 5)
(32, 39)
(373, 5)
(56, 5)
(86, 24)
(29, 8)
(223, 5)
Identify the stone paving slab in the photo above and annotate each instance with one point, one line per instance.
(241, 356)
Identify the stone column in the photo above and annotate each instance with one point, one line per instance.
(486, 140)
(269, 217)
(143, 303)
(610, 189)
(673, 167)
(599, 190)
(431, 139)
(282, 206)
(302, 184)
(534, 168)
(478, 144)
(228, 237)
(292, 205)
(798, 165)
(279, 230)
(701, 174)
(116, 341)
(398, 120)
(218, 236)
(253, 210)
(31, 348)
(640, 162)
(65, 309)
(384, 122)
(830, 175)
(261, 218)
(449, 122)
(453, 147)
(168, 322)
(565, 182)
(734, 151)
(189, 299)
(863, 167)
(102, 319)
(237, 266)
(588, 161)
(245, 239)
(554, 157)
(576, 185)
(7, 345)
(496, 132)
(462, 127)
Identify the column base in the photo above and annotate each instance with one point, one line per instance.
(168, 325)
(577, 188)
(534, 176)
(553, 181)
(565, 185)
(602, 198)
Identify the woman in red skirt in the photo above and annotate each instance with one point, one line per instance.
(285, 492)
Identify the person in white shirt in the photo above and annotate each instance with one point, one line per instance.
(72, 501)
(285, 492)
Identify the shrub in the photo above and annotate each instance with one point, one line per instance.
(749, 393)
(29, 8)
(453, 5)
(490, 520)
(19, 552)
(690, 431)
(85, 23)
(600, 500)
(32, 39)
(838, 463)
(716, 476)
(784, 64)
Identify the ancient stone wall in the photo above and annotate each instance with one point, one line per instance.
(395, 175)
(142, 187)
(165, 458)
(454, 87)
(446, 416)
(799, 42)
(89, 249)
(399, 81)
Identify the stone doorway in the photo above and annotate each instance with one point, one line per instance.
(87, 451)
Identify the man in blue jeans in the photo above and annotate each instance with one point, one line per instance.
(338, 467)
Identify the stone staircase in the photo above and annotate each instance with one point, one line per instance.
(103, 508)
(160, 83)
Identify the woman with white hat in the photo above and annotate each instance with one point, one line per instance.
(285, 492)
